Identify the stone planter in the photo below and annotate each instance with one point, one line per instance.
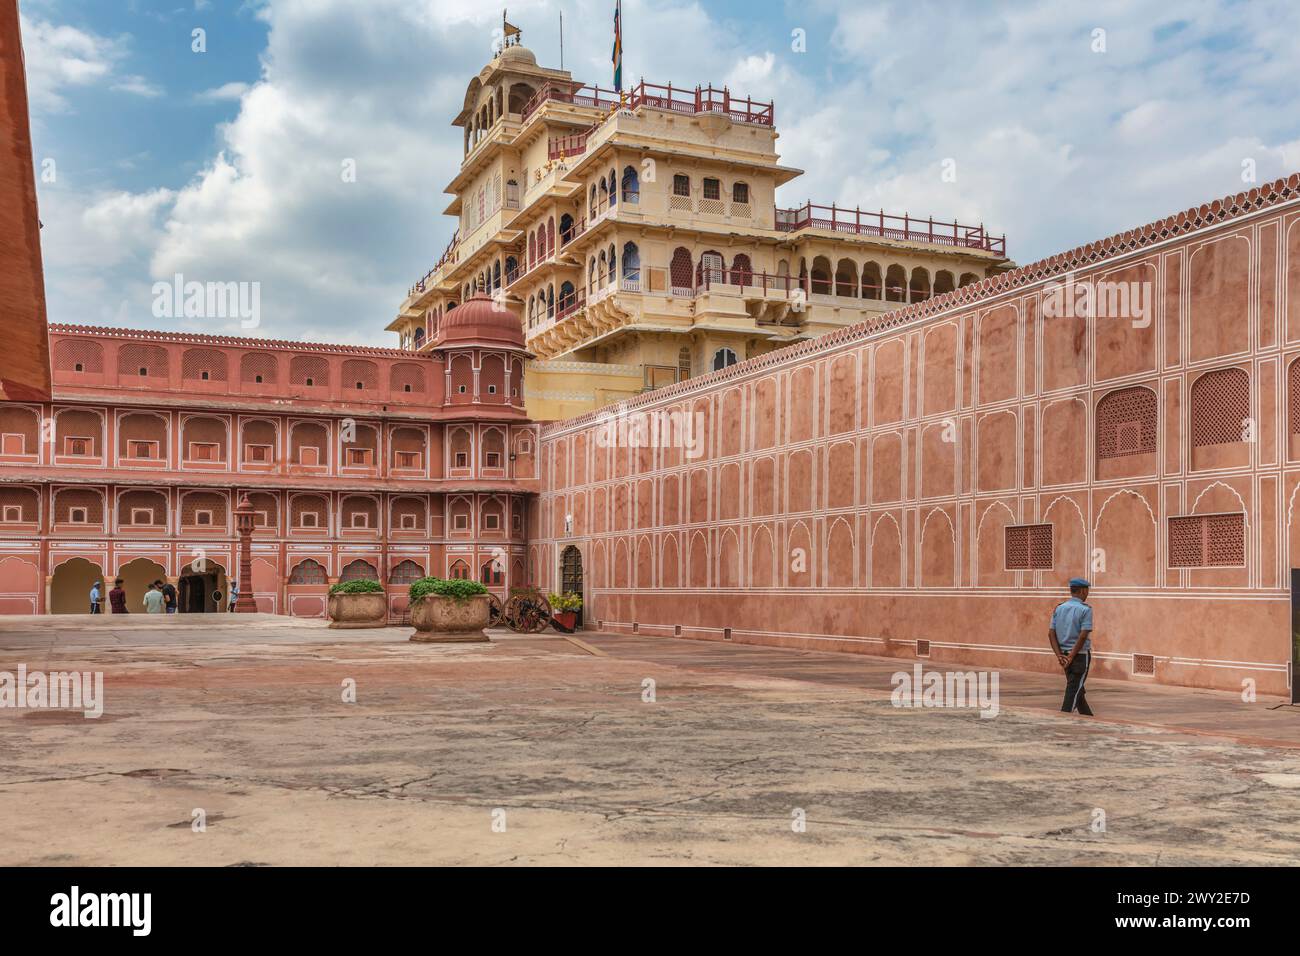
(443, 620)
(567, 619)
(358, 610)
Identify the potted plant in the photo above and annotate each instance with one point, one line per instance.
(358, 604)
(449, 611)
(565, 607)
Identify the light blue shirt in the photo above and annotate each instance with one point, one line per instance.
(94, 594)
(1068, 620)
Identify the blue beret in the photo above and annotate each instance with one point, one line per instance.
(1079, 583)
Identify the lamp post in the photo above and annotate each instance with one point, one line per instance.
(245, 604)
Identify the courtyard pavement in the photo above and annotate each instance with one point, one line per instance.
(545, 750)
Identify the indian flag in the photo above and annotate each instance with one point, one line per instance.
(618, 46)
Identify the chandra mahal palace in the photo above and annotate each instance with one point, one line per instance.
(638, 235)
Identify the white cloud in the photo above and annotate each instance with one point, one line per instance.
(138, 86)
(60, 57)
(226, 92)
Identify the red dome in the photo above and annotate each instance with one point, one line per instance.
(480, 320)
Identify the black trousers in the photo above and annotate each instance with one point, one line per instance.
(1075, 676)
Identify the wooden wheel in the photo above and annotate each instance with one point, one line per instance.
(495, 610)
(528, 613)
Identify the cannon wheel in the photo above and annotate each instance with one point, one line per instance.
(495, 610)
(528, 613)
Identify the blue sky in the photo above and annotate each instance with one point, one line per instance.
(224, 165)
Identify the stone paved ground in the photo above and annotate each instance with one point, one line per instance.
(244, 719)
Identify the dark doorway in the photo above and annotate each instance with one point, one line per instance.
(195, 593)
(571, 576)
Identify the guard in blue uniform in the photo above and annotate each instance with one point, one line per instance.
(1071, 640)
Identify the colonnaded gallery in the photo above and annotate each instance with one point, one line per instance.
(820, 427)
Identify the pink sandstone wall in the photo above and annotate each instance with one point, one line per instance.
(440, 487)
(868, 491)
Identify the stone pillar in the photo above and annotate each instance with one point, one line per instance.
(244, 525)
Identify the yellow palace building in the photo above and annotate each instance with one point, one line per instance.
(637, 236)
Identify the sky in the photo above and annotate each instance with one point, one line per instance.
(227, 155)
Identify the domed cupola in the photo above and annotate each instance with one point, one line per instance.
(480, 321)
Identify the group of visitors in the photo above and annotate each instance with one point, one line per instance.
(160, 598)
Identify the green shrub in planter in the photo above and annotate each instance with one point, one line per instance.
(568, 601)
(356, 587)
(459, 590)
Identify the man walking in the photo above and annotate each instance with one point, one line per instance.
(95, 599)
(117, 598)
(169, 596)
(153, 599)
(1071, 639)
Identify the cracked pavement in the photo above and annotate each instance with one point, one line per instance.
(245, 721)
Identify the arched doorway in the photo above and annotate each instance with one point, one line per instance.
(70, 587)
(571, 576)
(197, 583)
(136, 577)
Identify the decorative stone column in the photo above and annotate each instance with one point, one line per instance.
(245, 604)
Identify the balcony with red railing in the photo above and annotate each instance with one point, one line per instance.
(448, 255)
(702, 99)
(689, 101)
(905, 228)
(570, 304)
(562, 147)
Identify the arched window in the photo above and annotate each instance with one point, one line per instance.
(680, 270)
(631, 185)
(821, 275)
(512, 269)
(1220, 407)
(723, 358)
(492, 573)
(613, 188)
(307, 572)
(567, 295)
(1126, 423)
(407, 572)
(550, 302)
(631, 266)
(846, 278)
(742, 272)
(459, 571)
(919, 289)
(711, 268)
(872, 284)
(613, 265)
(896, 284)
(359, 570)
(419, 338)
(566, 229)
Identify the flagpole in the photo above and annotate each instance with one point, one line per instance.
(561, 38)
